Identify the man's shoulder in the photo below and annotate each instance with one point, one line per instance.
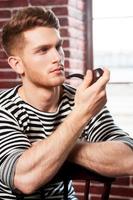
(7, 96)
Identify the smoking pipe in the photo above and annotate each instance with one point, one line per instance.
(97, 73)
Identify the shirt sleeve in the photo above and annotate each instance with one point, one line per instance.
(13, 142)
(103, 128)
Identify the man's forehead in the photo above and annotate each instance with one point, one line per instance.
(43, 35)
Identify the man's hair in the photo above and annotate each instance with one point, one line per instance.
(24, 20)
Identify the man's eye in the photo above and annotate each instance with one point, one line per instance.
(44, 50)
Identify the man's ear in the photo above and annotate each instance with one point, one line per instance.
(16, 63)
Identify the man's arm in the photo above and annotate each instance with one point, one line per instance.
(110, 158)
(38, 165)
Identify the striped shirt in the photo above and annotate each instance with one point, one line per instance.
(21, 125)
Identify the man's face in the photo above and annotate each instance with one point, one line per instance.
(43, 57)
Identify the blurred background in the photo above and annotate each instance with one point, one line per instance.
(112, 47)
(96, 33)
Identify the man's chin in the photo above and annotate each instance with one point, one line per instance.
(58, 81)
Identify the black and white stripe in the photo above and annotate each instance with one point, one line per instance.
(22, 124)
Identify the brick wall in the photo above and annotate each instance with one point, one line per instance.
(122, 189)
(71, 16)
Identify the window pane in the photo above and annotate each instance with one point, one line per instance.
(113, 37)
(112, 8)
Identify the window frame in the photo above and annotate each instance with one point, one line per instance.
(89, 35)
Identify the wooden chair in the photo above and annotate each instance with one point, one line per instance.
(75, 172)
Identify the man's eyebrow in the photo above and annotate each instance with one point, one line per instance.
(41, 47)
(59, 42)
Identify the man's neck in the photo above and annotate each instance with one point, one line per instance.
(44, 99)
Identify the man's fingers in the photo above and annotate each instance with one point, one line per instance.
(87, 79)
(100, 83)
(106, 74)
(104, 79)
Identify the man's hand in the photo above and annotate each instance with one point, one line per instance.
(90, 99)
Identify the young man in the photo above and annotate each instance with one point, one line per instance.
(44, 122)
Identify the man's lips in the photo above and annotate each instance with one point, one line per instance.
(60, 68)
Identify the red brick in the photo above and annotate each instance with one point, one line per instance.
(110, 198)
(60, 10)
(63, 21)
(5, 14)
(4, 64)
(67, 64)
(3, 55)
(96, 189)
(79, 186)
(66, 43)
(119, 198)
(13, 3)
(131, 179)
(67, 53)
(50, 2)
(122, 191)
(7, 75)
(122, 181)
(7, 84)
(64, 32)
(95, 198)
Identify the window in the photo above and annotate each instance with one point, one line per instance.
(113, 37)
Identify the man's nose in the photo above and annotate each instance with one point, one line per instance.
(56, 55)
